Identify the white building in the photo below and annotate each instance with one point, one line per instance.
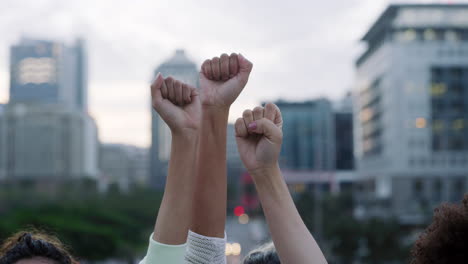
(181, 68)
(123, 165)
(411, 108)
(47, 142)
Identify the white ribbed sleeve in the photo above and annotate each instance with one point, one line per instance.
(205, 250)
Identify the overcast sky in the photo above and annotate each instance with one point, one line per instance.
(300, 49)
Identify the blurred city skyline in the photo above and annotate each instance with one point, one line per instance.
(308, 47)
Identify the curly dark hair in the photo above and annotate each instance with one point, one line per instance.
(446, 238)
(27, 245)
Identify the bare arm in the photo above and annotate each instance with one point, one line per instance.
(209, 214)
(174, 214)
(292, 239)
(221, 81)
(259, 139)
(179, 106)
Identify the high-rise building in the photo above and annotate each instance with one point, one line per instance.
(47, 142)
(49, 72)
(308, 135)
(344, 143)
(181, 68)
(123, 165)
(411, 108)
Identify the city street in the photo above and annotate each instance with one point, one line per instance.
(249, 236)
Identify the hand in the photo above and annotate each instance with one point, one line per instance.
(259, 137)
(177, 103)
(223, 79)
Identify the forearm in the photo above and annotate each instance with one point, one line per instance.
(210, 196)
(174, 214)
(292, 239)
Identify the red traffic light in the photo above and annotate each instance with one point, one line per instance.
(239, 210)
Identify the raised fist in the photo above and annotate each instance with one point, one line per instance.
(223, 79)
(177, 103)
(259, 137)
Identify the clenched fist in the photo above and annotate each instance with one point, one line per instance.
(259, 137)
(177, 103)
(223, 79)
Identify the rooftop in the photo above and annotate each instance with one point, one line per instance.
(388, 16)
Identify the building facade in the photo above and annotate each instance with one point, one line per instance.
(123, 165)
(49, 73)
(181, 68)
(344, 142)
(411, 108)
(308, 135)
(47, 142)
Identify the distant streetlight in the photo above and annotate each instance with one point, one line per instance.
(244, 219)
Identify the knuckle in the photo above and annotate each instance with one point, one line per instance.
(270, 106)
(169, 79)
(246, 113)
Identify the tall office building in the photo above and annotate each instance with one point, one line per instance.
(47, 142)
(344, 143)
(49, 73)
(411, 108)
(182, 68)
(308, 135)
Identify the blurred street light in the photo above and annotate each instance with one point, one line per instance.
(243, 219)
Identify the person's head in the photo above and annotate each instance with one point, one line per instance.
(34, 247)
(446, 238)
(265, 254)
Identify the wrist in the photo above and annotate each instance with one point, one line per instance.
(265, 172)
(211, 110)
(185, 134)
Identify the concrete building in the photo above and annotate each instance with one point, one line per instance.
(49, 73)
(47, 142)
(308, 135)
(411, 109)
(182, 68)
(123, 165)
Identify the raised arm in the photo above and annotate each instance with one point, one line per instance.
(179, 106)
(221, 81)
(259, 138)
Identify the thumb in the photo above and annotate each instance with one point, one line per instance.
(245, 67)
(267, 128)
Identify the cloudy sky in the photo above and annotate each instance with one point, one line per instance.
(301, 49)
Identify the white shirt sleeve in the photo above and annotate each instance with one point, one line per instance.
(163, 253)
(205, 250)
